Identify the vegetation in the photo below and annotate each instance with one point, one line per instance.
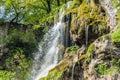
(73, 48)
(90, 48)
(18, 63)
(54, 75)
(104, 69)
(116, 37)
(7, 75)
(116, 3)
(89, 52)
(26, 22)
(30, 11)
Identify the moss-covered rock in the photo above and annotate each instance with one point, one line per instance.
(70, 58)
(90, 15)
(101, 59)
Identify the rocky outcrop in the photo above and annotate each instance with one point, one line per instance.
(111, 13)
(101, 65)
(91, 16)
(96, 33)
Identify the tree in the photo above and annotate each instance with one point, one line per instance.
(30, 11)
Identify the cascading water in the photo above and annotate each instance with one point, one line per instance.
(86, 36)
(50, 50)
(73, 67)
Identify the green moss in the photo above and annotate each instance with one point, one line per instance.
(57, 72)
(89, 52)
(103, 69)
(73, 48)
(90, 48)
(7, 75)
(54, 74)
(118, 16)
(116, 36)
(90, 14)
(115, 3)
(116, 62)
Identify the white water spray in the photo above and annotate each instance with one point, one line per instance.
(49, 50)
(73, 67)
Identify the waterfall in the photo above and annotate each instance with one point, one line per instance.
(86, 36)
(50, 50)
(73, 67)
(2, 11)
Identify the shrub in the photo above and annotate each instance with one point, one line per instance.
(18, 63)
(7, 75)
(73, 48)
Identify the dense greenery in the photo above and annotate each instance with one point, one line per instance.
(30, 11)
(33, 19)
(28, 22)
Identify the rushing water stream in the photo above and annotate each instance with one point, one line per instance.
(86, 36)
(73, 67)
(50, 50)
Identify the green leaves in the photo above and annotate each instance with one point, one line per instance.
(30, 11)
(73, 48)
(7, 75)
(18, 63)
(102, 69)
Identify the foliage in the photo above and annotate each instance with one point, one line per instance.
(89, 52)
(116, 36)
(21, 45)
(7, 75)
(39, 32)
(116, 62)
(103, 69)
(73, 48)
(18, 63)
(22, 36)
(116, 3)
(100, 29)
(54, 75)
(31, 11)
(90, 48)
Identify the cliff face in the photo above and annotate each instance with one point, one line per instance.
(95, 54)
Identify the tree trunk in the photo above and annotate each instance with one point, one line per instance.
(65, 1)
(58, 2)
(49, 6)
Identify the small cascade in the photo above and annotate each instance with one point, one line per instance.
(68, 41)
(86, 36)
(67, 28)
(50, 50)
(1, 11)
(47, 59)
(73, 67)
(87, 1)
